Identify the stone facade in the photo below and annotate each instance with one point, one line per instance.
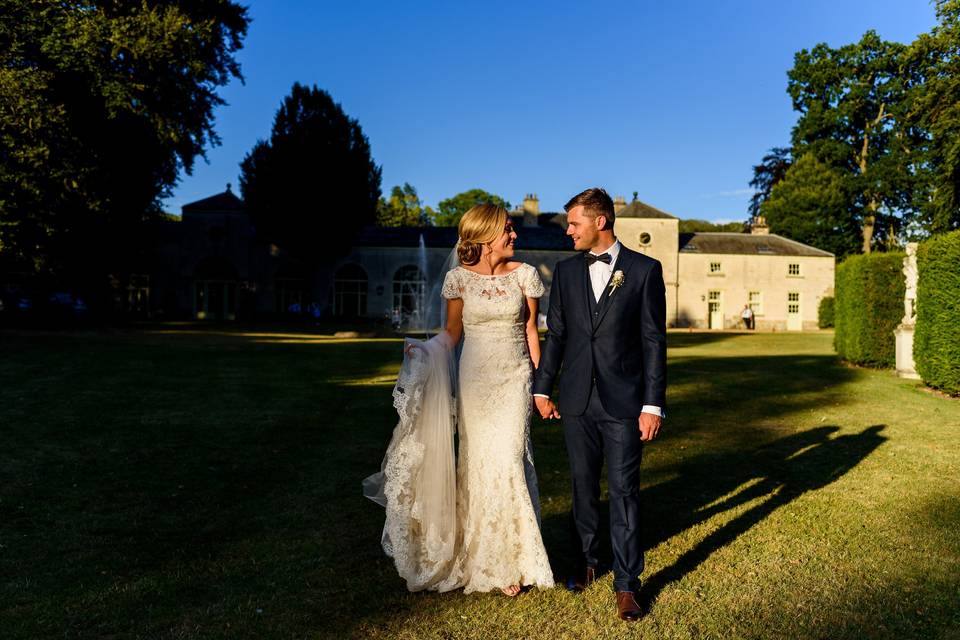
(782, 300)
(212, 266)
(709, 277)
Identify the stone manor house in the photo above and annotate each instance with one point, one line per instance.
(211, 266)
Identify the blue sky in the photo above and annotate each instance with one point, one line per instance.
(673, 100)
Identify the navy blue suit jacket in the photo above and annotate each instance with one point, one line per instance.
(620, 341)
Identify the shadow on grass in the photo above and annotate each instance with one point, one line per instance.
(188, 482)
(706, 486)
(737, 400)
(786, 469)
(737, 404)
(679, 339)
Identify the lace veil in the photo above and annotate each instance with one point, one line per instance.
(417, 479)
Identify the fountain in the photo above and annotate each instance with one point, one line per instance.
(420, 314)
(428, 314)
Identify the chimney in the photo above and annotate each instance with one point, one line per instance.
(619, 203)
(531, 209)
(758, 226)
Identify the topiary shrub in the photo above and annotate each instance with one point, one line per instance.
(825, 313)
(936, 343)
(868, 307)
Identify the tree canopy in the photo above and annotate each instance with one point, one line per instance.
(403, 209)
(102, 104)
(810, 205)
(767, 174)
(314, 181)
(884, 119)
(452, 209)
(934, 110)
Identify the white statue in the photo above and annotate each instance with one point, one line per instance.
(904, 333)
(910, 295)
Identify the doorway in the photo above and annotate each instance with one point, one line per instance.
(714, 310)
(794, 321)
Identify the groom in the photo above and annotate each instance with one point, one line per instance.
(607, 327)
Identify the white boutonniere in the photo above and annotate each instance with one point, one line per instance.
(616, 281)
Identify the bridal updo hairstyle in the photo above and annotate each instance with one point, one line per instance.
(481, 224)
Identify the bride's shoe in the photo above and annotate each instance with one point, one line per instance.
(512, 591)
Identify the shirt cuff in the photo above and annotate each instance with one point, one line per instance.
(540, 395)
(655, 410)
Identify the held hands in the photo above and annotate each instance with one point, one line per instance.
(649, 426)
(546, 407)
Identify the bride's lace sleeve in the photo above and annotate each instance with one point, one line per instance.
(531, 283)
(451, 286)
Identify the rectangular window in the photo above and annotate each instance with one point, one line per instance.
(793, 302)
(756, 303)
(793, 269)
(714, 267)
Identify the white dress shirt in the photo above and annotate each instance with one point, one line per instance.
(600, 273)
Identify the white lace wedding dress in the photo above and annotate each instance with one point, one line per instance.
(497, 501)
(491, 537)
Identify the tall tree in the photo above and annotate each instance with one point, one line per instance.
(403, 209)
(102, 104)
(452, 209)
(314, 182)
(934, 111)
(767, 174)
(849, 100)
(811, 205)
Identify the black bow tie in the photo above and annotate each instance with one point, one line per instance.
(603, 257)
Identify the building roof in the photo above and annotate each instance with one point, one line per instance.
(549, 238)
(638, 209)
(543, 219)
(746, 244)
(224, 202)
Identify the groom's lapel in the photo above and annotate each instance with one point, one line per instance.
(624, 261)
(589, 303)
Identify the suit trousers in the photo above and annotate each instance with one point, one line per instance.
(590, 438)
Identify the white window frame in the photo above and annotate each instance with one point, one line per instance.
(409, 288)
(793, 298)
(350, 288)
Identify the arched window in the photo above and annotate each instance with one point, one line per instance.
(409, 289)
(350, 291)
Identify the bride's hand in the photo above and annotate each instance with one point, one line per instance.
(407, 350)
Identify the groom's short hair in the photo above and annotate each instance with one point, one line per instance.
(595, 202)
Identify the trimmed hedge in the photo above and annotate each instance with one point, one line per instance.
(868, 307)
(936, 343)
(825, 313)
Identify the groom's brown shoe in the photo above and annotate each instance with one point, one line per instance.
(627, 607)
(584, 580)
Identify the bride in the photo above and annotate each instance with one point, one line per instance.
(475, 524)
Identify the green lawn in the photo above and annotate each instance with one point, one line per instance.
(176, 483)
